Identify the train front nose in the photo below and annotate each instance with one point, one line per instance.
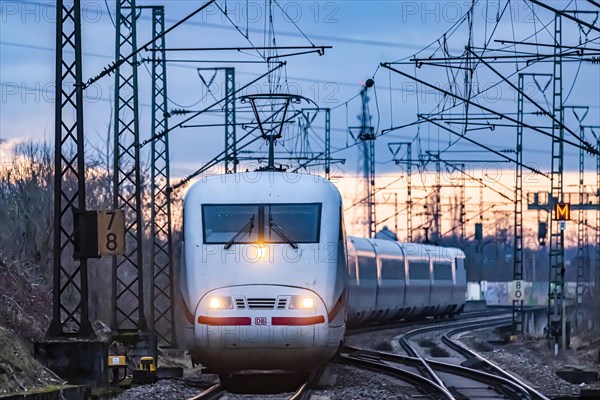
(260, 327)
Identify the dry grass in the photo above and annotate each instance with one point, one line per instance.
(18, 369)
(25, 302)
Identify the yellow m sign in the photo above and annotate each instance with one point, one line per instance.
(562, 212)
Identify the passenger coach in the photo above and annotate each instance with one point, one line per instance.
(390, 280)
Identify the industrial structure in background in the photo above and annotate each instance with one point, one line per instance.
(364, 135)
(70, 333)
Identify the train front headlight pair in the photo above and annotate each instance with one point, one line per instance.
(220, 303)
(302, 302)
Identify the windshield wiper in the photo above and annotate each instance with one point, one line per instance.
(281, 232)
(248, 227)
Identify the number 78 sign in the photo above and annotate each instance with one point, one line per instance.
(111, 232)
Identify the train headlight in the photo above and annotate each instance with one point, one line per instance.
(261, 251)
(302, 302)
(220, 302)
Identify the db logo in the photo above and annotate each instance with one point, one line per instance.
(260, 321)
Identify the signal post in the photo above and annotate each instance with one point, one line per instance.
(560, 212)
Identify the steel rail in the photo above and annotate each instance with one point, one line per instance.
(467, 352)
(501, 384)
(465, 325)
(420, 383)
(427, 366)
(304, 391)
(400, 324)
(212, 393)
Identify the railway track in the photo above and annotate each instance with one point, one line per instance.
(485, 364)
(474, 378)
(456, 326)
(212, 393)
(439, 379)
(426, 322)
(472, 359)
(374, 361)
(303, 392)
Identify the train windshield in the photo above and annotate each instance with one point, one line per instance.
(223, 222)
(261, 223)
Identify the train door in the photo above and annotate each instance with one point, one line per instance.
(442, 285)
(367, 284)
(366, 293)
(460, 282)
(390, 296)
(419, 278)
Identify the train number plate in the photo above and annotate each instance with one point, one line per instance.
(260, 321)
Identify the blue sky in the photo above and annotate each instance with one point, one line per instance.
(362, 33)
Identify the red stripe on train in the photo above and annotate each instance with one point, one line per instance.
(220, 321)
(337, 307)
(297, 321)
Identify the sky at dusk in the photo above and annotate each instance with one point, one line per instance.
(363, 35)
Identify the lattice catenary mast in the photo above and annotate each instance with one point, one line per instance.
(70, 284)
(128, 294)
(162, 310)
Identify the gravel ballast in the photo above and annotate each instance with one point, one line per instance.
(356, 383)
(528, 360)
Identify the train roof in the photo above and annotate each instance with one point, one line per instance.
(420, 250)
(262, 187)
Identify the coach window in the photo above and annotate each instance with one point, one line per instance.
(392, 269)
(442, 271)
(367, 269)
(418, 270)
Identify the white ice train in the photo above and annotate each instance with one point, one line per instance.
(269, 279)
